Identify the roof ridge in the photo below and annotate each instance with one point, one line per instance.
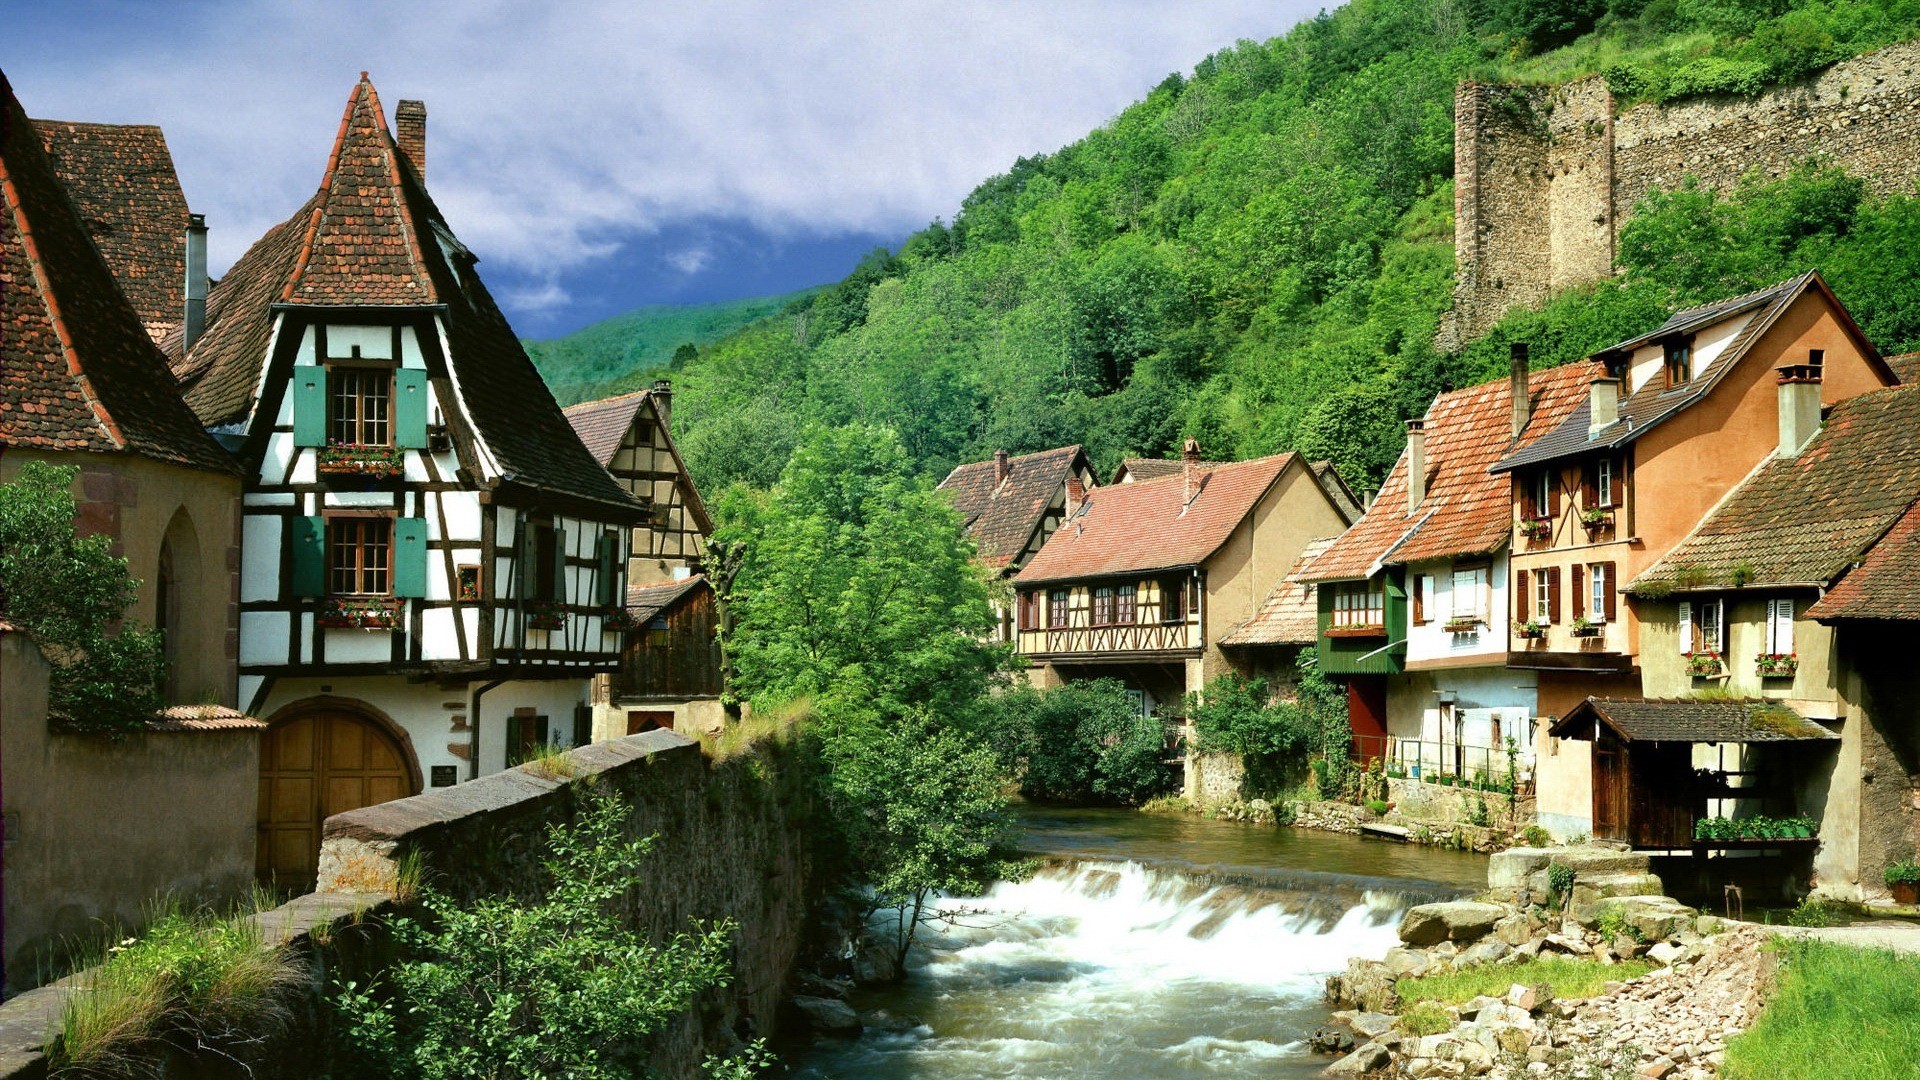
(606, 400)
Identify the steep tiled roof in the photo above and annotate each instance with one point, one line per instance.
(646, 601)
(1882, 586)
(1652, 405)
(77, 368)
(1692, 720)
(1343, 497)
(1001, 516)
(121, 178)
(1140, 527)
(602, 425)
(1805, 519)
(1906, 367)
(1467, 510)
(1290, 614)
(371, 236)
(1146, 468)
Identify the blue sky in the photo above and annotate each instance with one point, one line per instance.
(601, 154)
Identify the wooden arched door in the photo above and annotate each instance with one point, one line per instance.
(314, 764)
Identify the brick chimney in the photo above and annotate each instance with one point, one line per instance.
(1000, 467)
(1076, 494)
(1416, 465)
(662, 394)
(1517, 389)
(410, 131)
(1799, 403)
(1190, 468)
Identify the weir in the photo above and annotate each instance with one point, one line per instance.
(1098, 966)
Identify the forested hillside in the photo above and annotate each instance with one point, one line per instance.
(1258, 254)
(629, 351)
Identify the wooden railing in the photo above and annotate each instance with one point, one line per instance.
(1134, 638)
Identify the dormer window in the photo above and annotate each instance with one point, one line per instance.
(1679, 362)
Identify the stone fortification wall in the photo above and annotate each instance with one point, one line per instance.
(1545, 178)
(729, 844)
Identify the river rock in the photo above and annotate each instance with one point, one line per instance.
(1330, 1040)
(1371, 1025)
(829, 1016)
(1516, 929)
(1529, 998)
(875, 965)
(1656, 917)
(882, 1020)
(1457, 920)
(1488, 950)
(1665, 953)
(1406, 962)
(1368, 1058)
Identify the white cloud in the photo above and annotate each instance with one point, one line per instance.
(691, 260)
(559, 132)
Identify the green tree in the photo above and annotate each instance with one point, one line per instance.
(561, 987)
(71, 594)
(1084, 742)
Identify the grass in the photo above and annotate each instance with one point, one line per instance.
(1567, 977)
(192, 978)
(773, 722)
(1425, 1018)
(550, 762)
(1837, 1012)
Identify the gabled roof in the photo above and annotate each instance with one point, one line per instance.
(1905, 367)
(1148, 526)
(603, 425)
(1343, 497)
(1642, 411)
(77, 368)
(1467, 509)
(121, 179)
(1145, 468)
(1691, 720)
(1882, 586)
(1803, 520)
(1002, 515)
(1290, 613)
(372, 237)
(646, 601)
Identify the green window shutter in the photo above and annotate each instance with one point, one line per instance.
(410, 409)
(308, 536)
(514, 756)
(410, 557)
(309, 390)
(606, 572)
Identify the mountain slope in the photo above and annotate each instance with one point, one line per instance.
(629, 350)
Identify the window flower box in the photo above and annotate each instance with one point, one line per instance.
(1777, 665)
(618, 621)
(1536, 528)
(1357, 630)
(361, 612)
(361, 459)
(1464, 624)
(1597, 517)
(1586, 628)
(1530, 631)
(1705, 665)
(546, 615)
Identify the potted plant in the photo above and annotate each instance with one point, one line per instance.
(1464, 624)
(546, 615)
(1705, 665)
(1903, 878)
(1595, 517)
(618, 621)
(1531, 629)
(1585, 627)
(1777, 665)
(1536, 528)
(361, 459)
(360, 612)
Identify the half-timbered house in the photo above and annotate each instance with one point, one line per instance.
(1010, 505)
(629, 435)
(430, 557)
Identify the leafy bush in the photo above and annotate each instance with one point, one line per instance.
(71, 594)
(1535, 837)
(1905, 872)
(1812, 911)
(1560, 879)
(492, 987)
(1376, 807)
(1084, 742)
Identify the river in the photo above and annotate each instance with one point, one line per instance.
(1148, 945)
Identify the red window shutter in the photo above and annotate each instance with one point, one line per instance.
(1613, 590)
(1525, 483)
(1419, 598)
(1553, 593)
(1590, 485)
(1579, 592)
(1553, 494)
(1522, 598)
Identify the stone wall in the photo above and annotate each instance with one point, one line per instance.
(729, 844)
(98, 829)
(1436, 804)
(1544, 178)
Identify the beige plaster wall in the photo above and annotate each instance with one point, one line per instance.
(1814, 688)
(96, 830)
(1563, 779)
(1258, 555)
(701, 716)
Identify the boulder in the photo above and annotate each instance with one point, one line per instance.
(1665, 953)
(1368, 1058)
(1529, 998)
(875, 965)
(1516, 929)
(829, 1016)
(1488, 950)
(1371, 1025)
(893, 1024)
(1459, 920)
(1655, 917)
(1472, 1009)
(1406, 962)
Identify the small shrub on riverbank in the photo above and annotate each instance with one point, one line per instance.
(1425, 1018)
(1085, 742)
(1816, 912)
(1838, 1014)
(1569, 978)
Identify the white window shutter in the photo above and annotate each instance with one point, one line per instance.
(1780, 626)
(1686, 626)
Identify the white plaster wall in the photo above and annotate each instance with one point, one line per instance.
(259, 566)
(1430, 640)
(1650, 360)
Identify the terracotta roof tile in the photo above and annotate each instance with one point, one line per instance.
(1725, 720)
(1805, 519)
(1467, 509)
(602, 425)
(1001, 516)
(372, 236)
(1882, 586)
(646, 601)
(1343, 497)
(1906, 367)
(1290, 614)
(1146, 468)
(1140, 527)
(204, 718)
(78, 370)
(121, 178)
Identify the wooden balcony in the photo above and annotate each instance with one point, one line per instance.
(1142, 640)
